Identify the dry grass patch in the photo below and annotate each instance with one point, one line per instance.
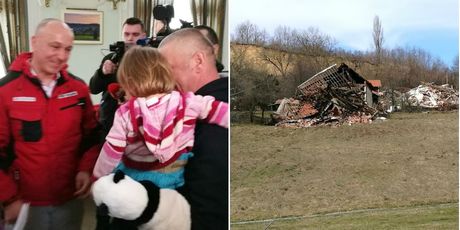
(410, 159)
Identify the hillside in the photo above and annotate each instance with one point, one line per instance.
(402, 70)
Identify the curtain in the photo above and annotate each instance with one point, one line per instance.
(210, 13)
(143, 11)
(14, 37)
(164, 2)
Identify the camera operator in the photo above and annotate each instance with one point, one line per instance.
(162, 15)
(133, 30)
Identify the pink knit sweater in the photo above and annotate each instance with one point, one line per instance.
(152, 133)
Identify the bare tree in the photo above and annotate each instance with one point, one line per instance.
(240, 66)
(280, 60)
(248, 33)
(284, 38)
(278, 52)
(455, 64)
(238, 58)
(312, 42)
(378, 38)
(454, 72)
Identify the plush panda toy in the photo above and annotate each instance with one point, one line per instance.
(139, 205)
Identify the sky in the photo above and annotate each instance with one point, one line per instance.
(81, 18)
(431, 25)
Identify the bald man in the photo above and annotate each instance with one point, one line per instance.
(47, 125)
(192, 60)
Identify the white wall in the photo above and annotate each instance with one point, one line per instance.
(85, 58)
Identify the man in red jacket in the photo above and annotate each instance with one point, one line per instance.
(47, 133)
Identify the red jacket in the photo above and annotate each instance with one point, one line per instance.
(51, 138)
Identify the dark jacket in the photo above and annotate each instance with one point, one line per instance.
(219, 66)
(108, 105)
(48, 138)
(206, 173)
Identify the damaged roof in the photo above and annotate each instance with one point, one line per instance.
(333, 76)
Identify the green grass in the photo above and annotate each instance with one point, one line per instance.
(85, 37)
(443, 216)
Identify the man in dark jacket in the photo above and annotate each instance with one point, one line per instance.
(192, 61)
(47, 129)
(133, 30)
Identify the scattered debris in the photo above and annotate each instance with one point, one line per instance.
(428, 95)
(339, 95)
(390, 101)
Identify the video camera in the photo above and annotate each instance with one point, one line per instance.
(161, 13)
(119, 48)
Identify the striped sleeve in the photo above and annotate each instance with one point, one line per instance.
(114, 146)
(209, 109)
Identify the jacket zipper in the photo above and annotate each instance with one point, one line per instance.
(80, 103)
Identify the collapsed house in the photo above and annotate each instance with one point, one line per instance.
(333, 96)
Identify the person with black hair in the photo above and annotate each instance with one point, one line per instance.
(210, 34)
(133, 30)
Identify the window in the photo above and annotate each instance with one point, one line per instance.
(182, 11)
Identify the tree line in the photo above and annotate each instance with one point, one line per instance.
(266, 67)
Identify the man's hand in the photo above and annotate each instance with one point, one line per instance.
(108, 67)
(82, 184)
(12, 211)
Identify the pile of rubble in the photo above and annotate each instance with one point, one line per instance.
(338, 95)
(334, 96)
(390, 100)
(428, 95)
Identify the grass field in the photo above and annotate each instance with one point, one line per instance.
(443, 216)
(406, 162)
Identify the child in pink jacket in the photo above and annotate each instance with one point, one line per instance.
(153, 132)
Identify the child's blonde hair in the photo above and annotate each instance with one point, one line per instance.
(144, 72)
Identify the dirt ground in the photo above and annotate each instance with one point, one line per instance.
(409, 159)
